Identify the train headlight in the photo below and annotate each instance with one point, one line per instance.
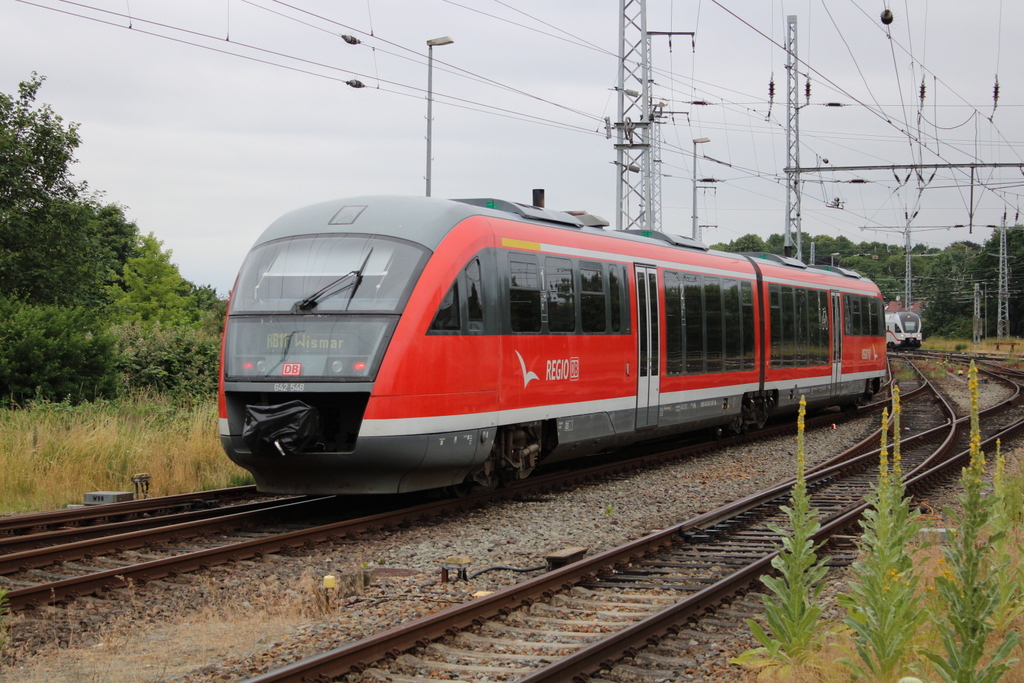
(337, 366)
(261, 367)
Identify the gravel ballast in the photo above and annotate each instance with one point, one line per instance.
(235, 621)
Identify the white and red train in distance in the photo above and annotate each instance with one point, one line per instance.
(903, 330)
(394, 344)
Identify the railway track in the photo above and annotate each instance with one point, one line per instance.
(97, 515)
(112, 546)
(55, 565)
(584, 617)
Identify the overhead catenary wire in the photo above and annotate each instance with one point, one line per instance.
(307, 68)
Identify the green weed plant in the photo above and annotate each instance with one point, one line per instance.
(883, 608)
(1008, 508)
(968, 586)
(793, 611)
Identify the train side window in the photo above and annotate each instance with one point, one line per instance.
(524, 294)
(788, 327)
(474, 297)
(747, 302)
(652, 288)
(713, 322)
(732, 325)
(775, 298)
(879, 318)
(561, 295)
(693, 314)
(447, 317)
(673, 325)
(871, 316)
(820, 326)
(801, 327)
(615, 296)
(856, 328)
(848, 314)
(592, 298)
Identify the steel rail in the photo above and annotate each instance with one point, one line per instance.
(13, 524)
(41, 557)
(12, 544)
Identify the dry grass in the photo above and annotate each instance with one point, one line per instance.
(53, 453)
(968, 346)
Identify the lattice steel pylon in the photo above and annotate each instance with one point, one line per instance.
(1003, 320)
(977, 313)
(792, 142)
(655, 221)
(633, 127)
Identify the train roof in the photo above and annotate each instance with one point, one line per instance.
(426, 221)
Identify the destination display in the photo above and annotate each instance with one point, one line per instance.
(328, 347)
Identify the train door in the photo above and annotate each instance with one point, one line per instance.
(648, 356)
(837, 341)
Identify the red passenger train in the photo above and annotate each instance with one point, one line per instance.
(393, 344)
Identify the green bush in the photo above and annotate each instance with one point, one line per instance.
(182, 361)
(53, 353)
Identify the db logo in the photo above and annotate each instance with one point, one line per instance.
(291, 369)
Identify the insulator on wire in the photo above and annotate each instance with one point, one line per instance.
(807, 91)
(922, 90)
(995, 94)
(771, 90)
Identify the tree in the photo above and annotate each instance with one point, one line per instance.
(36, 151)
(57, 245)
(54, 353)
(152, 290)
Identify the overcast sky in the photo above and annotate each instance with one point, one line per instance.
(208, 119)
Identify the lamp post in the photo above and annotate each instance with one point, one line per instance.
(696, 141)
(444, 40)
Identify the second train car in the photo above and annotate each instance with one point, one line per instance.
(394, 344)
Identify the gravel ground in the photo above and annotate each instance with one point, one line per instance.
(238, 620)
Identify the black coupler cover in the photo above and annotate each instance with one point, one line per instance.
(285, 429)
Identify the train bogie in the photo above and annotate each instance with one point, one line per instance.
(449, 343)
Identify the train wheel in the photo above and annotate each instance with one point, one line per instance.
(460, 490)
(739, 425)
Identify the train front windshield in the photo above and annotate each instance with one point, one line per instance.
(318, 307)
(278, 275)
(910, 322)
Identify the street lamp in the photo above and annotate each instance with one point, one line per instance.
(696, 141)
(833, 255)
(444, 40)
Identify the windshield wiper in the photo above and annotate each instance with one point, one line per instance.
(350, 279)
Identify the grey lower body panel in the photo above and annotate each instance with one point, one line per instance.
(390, 464)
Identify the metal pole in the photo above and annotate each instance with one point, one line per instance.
(430, 104)
(445, 40)
(696, 230)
